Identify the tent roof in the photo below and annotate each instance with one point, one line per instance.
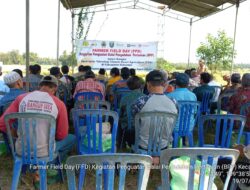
(197, 8)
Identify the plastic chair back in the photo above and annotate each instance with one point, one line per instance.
(110, 162)
(187, 118)
(217, 91)
(205, 103)
(223, 101)
(27, 131)
(224, 125)
(92, 104)
(118, 94)
(88, 126)
(159, 133)
(27, 134)
(205, 155)
(88, 96)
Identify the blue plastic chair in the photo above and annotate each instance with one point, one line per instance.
(111, 162)
(85, 122)
(27, 134)
(244, 110)
(187, 118)
(224, 125)
(159, 133)
(88, 96)
(92, 104)
(205, 103)
(205, 155)
(118, 94)
(223, 101)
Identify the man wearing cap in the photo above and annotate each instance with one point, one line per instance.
(241, 97)
(155, 101)
(181, 92)
(89, 85)
(43, 101)
(14, 81)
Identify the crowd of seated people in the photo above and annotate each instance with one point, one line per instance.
(159, 92)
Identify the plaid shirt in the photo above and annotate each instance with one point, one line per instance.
(236, 101)
(89, 85)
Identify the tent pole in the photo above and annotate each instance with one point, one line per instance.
(235, 30)
(27, 43)
(72, 38)
(190, 38)
(58, 34)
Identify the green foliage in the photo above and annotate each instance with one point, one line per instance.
(217, 51)
(14, 57)
(164, 65)
(67, 59)
(82, 19)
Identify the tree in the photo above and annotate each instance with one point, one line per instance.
(217, 51)
(33, 57)
(164, 65)
(67, 59)
(15, 57)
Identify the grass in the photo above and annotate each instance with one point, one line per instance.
(27, 184)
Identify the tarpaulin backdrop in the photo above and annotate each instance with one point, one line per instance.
(108, 54)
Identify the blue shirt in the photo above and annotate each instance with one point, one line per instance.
(11, 96)
(3, 88)
(182, 94)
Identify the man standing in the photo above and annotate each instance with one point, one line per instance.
(155, 101)
(48, 103)
(202, 67)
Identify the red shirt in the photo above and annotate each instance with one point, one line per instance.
(58, 110)
(89, 85)
(236, 101)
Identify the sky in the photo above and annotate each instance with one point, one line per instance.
(127, 25)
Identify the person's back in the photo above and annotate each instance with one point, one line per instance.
(240, 98)
(155, 101)
(200, 91)
(125, 73)
(42, 101)
(89, 85)
(181, 93)
(15, 83)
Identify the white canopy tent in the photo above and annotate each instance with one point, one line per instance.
(189, 11)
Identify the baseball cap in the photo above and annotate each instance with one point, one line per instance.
(49, 78)
(11, 77)
(155, 76)
(182, 79)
